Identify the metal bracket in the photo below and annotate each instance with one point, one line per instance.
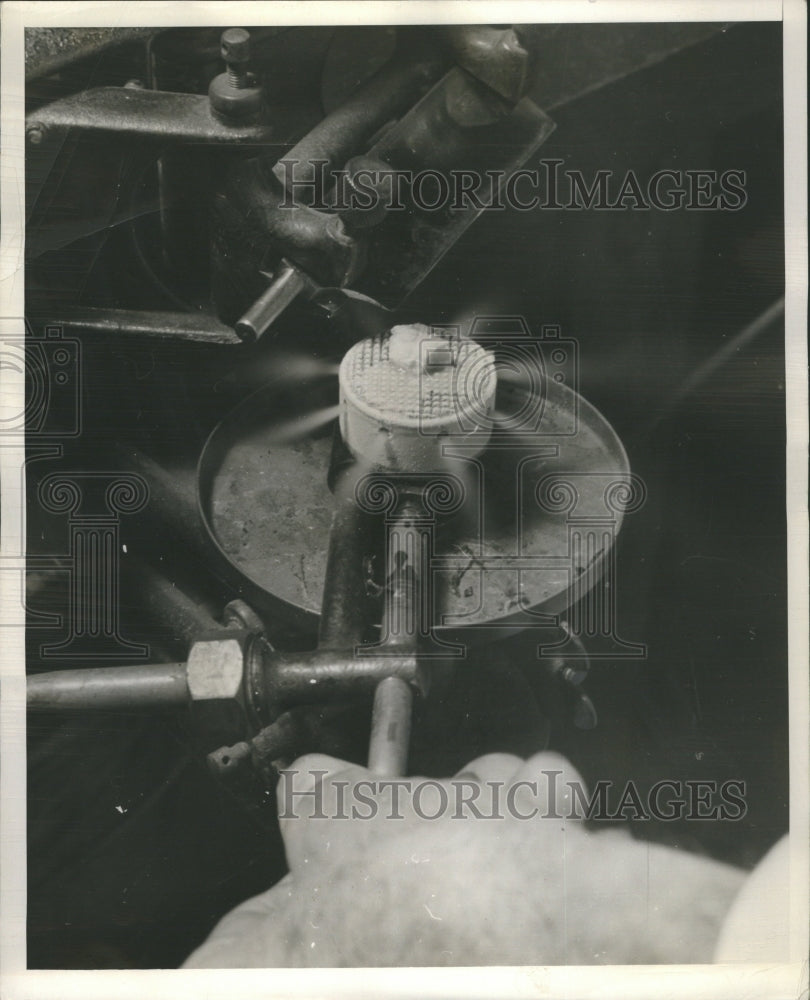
(154, 114)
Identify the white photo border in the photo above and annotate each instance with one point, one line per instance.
(626, 982)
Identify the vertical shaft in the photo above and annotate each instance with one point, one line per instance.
(343, 610)
(390, 728)
(402, 626)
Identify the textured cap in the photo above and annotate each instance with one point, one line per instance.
(404, 393)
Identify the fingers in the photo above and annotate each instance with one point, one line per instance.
(491, 767)
(548, 786)
(312, 813)
(300, 788)
(324, 818)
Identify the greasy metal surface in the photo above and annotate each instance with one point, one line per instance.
(197, 326)
(146, 113)
(265, 497)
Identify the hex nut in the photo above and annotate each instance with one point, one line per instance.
(215, 669)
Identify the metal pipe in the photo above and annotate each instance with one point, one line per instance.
(343, 610)
(404, 619)
(287, 285)
(127, 687)
(329, 675)
(390, 728)
(381, 99)
(405, 610)
(168, 604)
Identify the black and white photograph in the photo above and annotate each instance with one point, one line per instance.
(403, 441)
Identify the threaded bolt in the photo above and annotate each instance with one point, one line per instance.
(235, 49)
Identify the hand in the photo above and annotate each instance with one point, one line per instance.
(374, 882)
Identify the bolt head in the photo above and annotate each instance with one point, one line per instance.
(235, 45)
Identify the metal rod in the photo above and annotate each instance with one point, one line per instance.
(126, 687)
(390, 728)
(146, 114)
(343, 610)
(343, 132)
(200, 327)
(328, 675)
(404, 610)
(403, 621)
(166, 603)
(288, 283)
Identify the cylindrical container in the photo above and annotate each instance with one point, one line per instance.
(411, 395)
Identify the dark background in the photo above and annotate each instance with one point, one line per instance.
(650, 296)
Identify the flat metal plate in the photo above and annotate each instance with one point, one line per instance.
(505, 561)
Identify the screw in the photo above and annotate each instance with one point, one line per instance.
(134, 85)
(235, 48)
(35, 134)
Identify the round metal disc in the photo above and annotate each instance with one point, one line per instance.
(506, 561)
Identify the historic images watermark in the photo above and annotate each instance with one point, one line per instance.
(49, 412)
(550, 187)
(306, 794)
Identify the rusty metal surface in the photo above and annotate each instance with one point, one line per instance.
(269, 508)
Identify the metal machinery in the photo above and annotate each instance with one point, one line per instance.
(329, 520)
